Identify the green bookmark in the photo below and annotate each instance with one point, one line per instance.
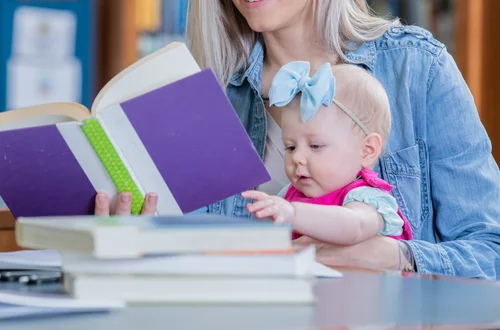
(112, 162)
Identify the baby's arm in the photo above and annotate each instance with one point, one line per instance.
(340, 225)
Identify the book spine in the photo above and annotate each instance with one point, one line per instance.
(137, 159)
(112, 162)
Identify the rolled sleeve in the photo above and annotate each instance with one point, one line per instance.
(385, 205)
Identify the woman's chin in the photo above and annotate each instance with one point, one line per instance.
(261, 28)
(262, 25)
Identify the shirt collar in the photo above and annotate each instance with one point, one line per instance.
(254, 71)
(364, 55)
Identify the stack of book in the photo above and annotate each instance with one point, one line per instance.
(185, 259)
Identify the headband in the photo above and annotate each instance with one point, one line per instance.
(317, 90)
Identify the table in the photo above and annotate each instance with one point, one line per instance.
(7, 233)
(383, 301)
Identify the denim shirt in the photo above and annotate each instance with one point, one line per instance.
(438, 156)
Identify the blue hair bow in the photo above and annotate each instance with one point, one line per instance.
(293, 78)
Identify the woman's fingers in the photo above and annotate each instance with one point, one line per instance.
(101, 205)
(124, 204)
(257, 206)
(150, 204)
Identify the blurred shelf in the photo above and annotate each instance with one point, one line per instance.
(148, 43)
(131, 29)
(437, 16)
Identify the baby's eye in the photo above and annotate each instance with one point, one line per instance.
(315, 146)
(290, 148)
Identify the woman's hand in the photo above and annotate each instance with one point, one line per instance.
(378, 253)
(266, 206)
(124, 204)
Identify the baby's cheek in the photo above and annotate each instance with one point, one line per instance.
(330, 178)
(289, 171)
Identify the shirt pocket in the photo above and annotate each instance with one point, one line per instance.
(403, 170)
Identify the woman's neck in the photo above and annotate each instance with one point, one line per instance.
(297, 42)
(289, 46)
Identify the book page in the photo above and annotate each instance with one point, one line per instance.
(171, 63)
(41, 115)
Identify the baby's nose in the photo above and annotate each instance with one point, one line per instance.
(299, 158)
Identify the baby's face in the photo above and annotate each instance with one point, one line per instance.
(323, 154)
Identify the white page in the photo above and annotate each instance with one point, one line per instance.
(54, 300)
(36, 259)
(15, 304)
(13, 311)
(172, 63)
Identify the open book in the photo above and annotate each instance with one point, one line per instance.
(162, 125)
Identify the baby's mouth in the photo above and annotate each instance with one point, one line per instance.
(303, 178)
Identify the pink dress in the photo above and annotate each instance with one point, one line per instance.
(366, 178)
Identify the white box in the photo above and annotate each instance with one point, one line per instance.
(31, 82)
(44, 32)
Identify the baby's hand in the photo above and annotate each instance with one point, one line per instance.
(265, 206)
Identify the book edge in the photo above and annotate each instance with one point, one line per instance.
(70, 109)
(130, 68)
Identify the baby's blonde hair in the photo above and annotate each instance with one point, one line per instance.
(362, 94)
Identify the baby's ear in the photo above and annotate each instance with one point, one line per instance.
(371, 150)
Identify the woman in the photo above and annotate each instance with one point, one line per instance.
(438, 156)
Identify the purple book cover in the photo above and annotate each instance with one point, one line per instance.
(39, 176)
(196, 140)
(188, 127)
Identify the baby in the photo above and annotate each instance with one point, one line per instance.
(335, 126)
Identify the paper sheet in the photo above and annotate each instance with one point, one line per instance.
(54, 300)
(15, 304)
(36, 260)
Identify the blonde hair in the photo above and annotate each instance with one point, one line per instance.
(361, 93)
(220, 38)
